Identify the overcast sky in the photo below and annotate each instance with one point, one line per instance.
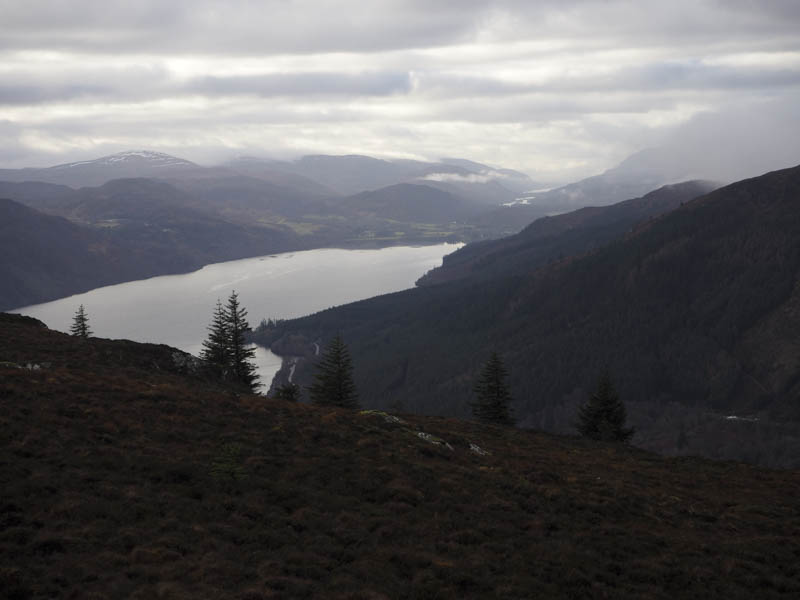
(559, 89)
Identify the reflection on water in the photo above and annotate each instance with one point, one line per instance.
(176, 309)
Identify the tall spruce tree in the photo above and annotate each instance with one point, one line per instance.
(333, 380)
(226, 349)
(80, 324)
(493, 398)
(603, 416)
(240, 353)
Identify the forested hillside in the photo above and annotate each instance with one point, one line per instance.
(560, 236)
(696, 314)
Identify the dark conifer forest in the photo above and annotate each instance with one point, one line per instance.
(694, 313)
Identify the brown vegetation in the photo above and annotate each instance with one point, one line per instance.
(125, 475)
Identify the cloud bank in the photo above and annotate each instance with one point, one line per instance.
(556, 89)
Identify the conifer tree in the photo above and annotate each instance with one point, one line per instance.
(603, 416)
(80, 324)
(240, 353)
(493, 398)
(226, 348)
(333, 381)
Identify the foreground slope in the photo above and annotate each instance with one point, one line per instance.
(126, 474)
(696, 314)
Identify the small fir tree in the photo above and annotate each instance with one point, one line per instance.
(80, 324)
(333, 381)
(603, 416)
(493, 398)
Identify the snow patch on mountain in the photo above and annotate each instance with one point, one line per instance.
(155, 159)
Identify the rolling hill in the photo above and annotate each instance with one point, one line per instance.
(408, 202)
(47, 257)
(121, 231)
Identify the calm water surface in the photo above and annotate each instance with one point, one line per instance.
(176, 309)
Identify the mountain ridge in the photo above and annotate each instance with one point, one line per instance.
(513, 252)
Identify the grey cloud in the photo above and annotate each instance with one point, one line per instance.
(245, 27)
(148, 84)
(205, 26)
(37, 94)
(67, 83)
(141, 84)
(677, 75)
(321, 83)
(674, 59)
(740, 141)
(11, 149)
(696, 75)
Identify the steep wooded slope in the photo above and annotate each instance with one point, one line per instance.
(696, 314)
(564, 235)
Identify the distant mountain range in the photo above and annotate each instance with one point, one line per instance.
(101, 170)
(696, 313)
(166, 214)
(174, 215)
(636, 175)
(319, 175)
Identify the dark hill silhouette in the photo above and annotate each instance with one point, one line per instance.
(136, 232)
(694, 313)
(47, 257)
(126, 473)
